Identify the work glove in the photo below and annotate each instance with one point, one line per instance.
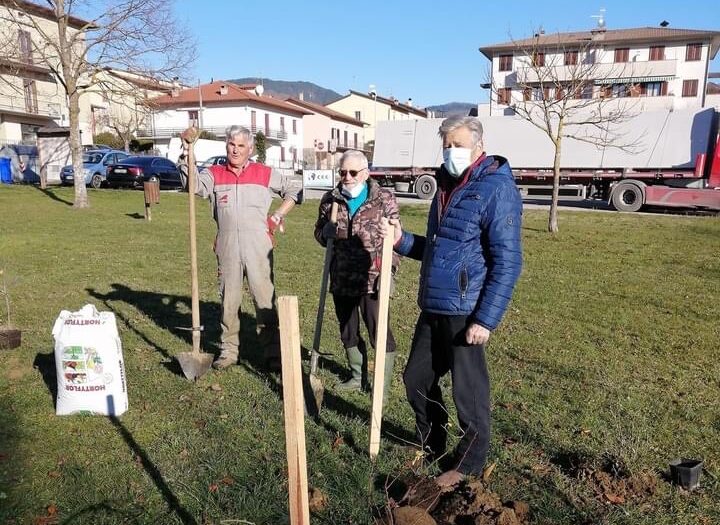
(275, 223)
(329, 231)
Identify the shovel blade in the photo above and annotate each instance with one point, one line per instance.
(194, 364)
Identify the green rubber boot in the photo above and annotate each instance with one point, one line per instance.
(355, 361)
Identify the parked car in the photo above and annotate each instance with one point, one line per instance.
(93, 147)
(217, 159)
(133, 171)
(95, 165)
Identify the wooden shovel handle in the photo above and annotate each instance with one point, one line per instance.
(189, 136)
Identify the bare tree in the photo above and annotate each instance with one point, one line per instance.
(86, 37)
(128, 98)
(563, 88)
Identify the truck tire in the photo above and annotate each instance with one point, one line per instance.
(627, 197)
(425, 187)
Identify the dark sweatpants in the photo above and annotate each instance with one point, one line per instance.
(348, 310)
(438, 346)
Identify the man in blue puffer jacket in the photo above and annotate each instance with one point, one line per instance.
(471, 258)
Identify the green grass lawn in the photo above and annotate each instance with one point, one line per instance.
(608, 356)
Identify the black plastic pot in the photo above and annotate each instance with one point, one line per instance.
(686, 472)
(9, 338)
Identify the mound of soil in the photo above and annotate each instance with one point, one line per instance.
(424, 503)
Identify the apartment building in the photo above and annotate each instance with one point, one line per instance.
(327, 133)
(663, 67)
(373, 108)
(30, 95)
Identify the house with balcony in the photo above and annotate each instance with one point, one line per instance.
(215, 106)
(119, 102)
(30, 95)
(373, 108)
(662, 67)
(328, 134)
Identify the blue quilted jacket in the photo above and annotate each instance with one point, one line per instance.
(472, 254)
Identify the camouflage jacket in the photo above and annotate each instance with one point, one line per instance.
(357, 251)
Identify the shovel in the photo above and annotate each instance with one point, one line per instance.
(196, 363)
(318, 390)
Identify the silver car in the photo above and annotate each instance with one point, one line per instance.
(95, 163)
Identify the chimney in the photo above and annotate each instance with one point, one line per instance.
(223, 89)
(301, 96)
(409, 102)
(175, 90)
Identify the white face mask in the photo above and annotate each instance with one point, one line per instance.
(354, 191)
(456, 160)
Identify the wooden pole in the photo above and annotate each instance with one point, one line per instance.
(381, 343)
(195, 289)
(294, 410)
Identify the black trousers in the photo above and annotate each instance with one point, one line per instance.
(348, 310)
(438, 347)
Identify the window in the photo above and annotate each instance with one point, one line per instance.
(357, 115)
(653, 89)
(546, 93)
(505, 63)
(282, 123)
(193, 119)
(622, 54)
(30, 90)
(620, 90)
(294, 127)
(267, 124)
(538, 59)
(693, 52)
(657, 52)
(282, 154)
(559, 93)
(355, 142)
(586, 92)
(571, 58)
(504, 96)
(690, 88)
(606, 91)
(253, 121)
(527, 94)
(345, 137)
(25, 42)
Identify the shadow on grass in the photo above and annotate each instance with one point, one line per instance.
(170, 312)
(11, 465)
(135, 215)
(152, 470)
(50, 193)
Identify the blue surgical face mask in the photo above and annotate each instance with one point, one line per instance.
(355, 190)
(456, 160)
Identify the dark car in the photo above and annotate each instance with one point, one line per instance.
(133, 171)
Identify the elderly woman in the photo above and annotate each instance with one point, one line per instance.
(355, 267)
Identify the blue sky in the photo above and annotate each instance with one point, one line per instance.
(426, 50)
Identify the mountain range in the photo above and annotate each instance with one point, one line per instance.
(320, 95)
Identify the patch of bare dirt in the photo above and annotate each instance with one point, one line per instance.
(469, 504)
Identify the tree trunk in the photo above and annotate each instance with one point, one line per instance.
(553, 219)
(127, 145)
(557, 142)
(81, 198)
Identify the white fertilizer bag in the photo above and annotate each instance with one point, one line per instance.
(89, 363)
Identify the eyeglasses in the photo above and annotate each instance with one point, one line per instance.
(352, 173)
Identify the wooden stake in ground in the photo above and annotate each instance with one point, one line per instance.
(381, 342)
(294, 410)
